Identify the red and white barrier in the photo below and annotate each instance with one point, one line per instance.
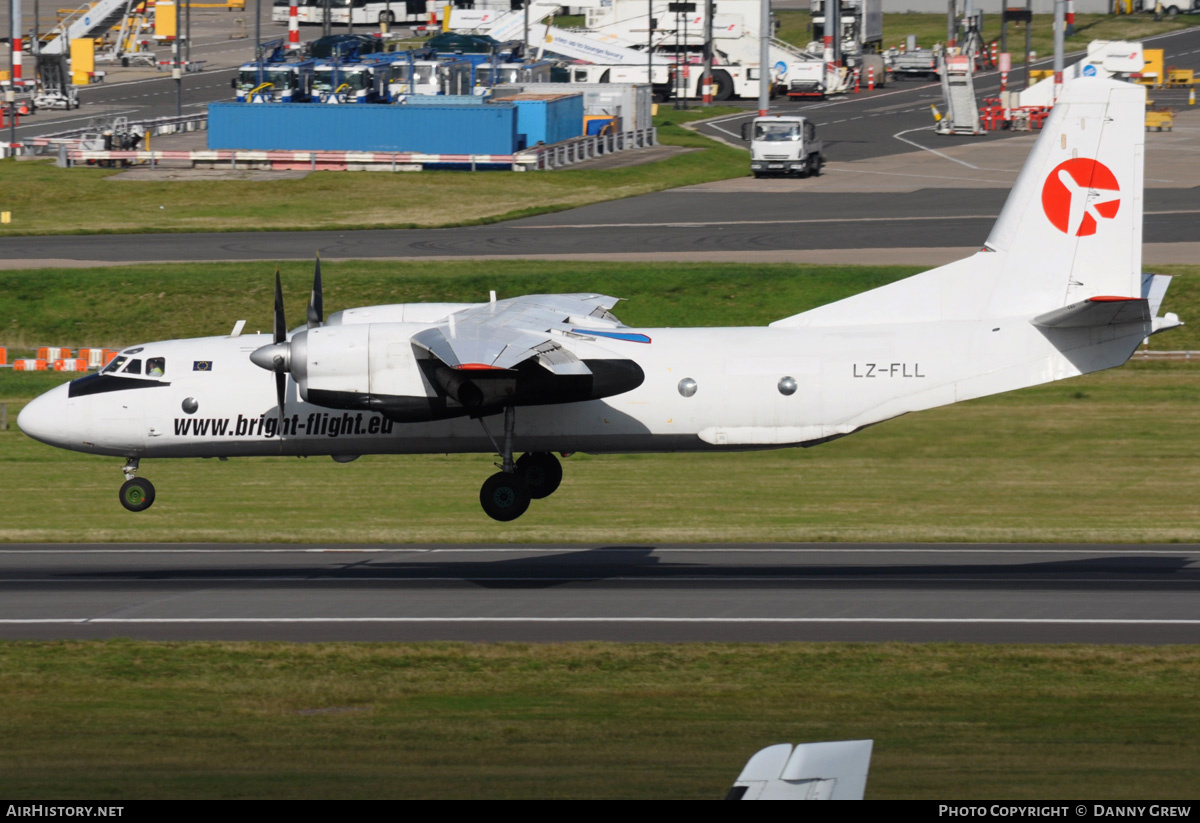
(51, 353)
(293, 27)
(29, 365)
(870, 78)
(71, 364)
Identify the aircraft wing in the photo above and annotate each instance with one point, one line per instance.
(505, 333)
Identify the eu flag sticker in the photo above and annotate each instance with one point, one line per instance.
(201, 365)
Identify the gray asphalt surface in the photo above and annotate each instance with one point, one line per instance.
(863, 592)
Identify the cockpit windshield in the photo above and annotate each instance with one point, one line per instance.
(155, 366)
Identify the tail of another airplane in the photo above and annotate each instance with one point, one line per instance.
(1071, 229)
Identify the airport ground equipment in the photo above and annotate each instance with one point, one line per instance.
(918, 64)
(275, 82)
(618, 34)
(398, 76)
(54, 87)
(1160, 120)
(337, 82)
(90, 20)
(958, 90)
(784, 145)
(861, 24)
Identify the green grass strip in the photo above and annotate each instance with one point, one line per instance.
(122, 719)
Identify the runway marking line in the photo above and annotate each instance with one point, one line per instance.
(613, 549)
(781, 620)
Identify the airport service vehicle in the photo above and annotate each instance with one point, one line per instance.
(1056, 291)
(398, 76)
(783, 145)
(617, 35)
(344, 82)
(373, 12)
(307, 11)
(920, 64)
(275, 82)
(495, 74)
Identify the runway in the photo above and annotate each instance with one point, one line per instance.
(995, 593)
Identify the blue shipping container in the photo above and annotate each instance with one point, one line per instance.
(428, 129)
(444, 100)
(547, 118)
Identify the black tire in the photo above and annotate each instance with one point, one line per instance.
(504, 497)
(722, 86)
(541, 472)
(387, 17)
(816, 165)
(137, 494)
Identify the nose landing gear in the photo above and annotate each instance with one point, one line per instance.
(137, 493)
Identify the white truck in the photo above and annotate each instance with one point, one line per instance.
(616, 35)
(784, 145)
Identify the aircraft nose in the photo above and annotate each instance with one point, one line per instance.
(45, 417)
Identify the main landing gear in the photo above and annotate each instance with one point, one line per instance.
(137, 493)
(507, 494)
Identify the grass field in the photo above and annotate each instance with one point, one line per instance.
(1111, 457)
(36, 191)
(126, 720)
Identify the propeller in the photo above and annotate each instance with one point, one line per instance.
(316, 305)
(277, 356)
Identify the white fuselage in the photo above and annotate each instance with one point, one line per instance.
(845, 378)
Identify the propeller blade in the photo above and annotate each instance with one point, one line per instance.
(316, 305)
(280, 323)
(280, 389)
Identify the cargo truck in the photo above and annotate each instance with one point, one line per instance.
(783, 145)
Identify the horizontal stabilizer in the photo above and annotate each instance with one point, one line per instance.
(1097, 311)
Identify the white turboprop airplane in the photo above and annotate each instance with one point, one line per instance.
(1041, 301)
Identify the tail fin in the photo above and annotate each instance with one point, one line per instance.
(1070, 230)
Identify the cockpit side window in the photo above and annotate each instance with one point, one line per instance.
(134, 367)
(115, 365)
(156, 366)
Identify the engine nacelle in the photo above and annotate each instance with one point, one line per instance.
(365, 367)
(376, 367)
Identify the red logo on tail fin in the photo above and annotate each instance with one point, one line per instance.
(1078, 193)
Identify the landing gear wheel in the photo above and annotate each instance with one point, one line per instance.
(541, 472)
(137, 494)
(504, 497)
